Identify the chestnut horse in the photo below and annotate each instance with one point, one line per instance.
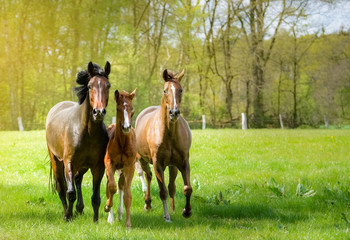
(77, 139)
(121, 155)
(164, 139)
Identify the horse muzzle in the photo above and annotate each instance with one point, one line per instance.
(174, 114)
(98, 114)
(126, 129)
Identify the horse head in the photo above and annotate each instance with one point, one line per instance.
(98, 86)
(172, 93)
(125, 110)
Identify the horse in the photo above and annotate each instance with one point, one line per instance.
(164, 139)
(77, 139)
(121, 155)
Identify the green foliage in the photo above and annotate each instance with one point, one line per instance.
(303, 191)
(276, 188)
(40, 59)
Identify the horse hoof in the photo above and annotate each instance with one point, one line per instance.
(107, 209)
(147, 208)
(128, 226)
(186, 214)
(67, 219)
(167, 219)
(77, 213)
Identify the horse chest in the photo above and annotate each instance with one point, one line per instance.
(121, 158)
(90, 151)
(167, 154)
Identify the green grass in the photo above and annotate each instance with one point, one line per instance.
(255, 184)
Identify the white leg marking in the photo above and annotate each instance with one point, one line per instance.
(144, 186)
(120, 208)
(166, 213)
(110, 218)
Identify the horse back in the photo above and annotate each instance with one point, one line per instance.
(58, 111)
(146, 114)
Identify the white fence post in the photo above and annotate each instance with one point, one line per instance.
(20, 124)
(244, 121)
(114, 120)
(203, 122)
(325, 121)
(281, 121)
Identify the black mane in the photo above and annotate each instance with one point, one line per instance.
(83, 78)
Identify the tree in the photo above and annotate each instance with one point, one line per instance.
(252, 18)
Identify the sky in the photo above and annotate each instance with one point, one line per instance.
(331, 17)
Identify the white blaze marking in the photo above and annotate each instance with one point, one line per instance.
(99, 91)
(173, 88)
(126, 117)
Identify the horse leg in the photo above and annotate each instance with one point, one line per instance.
(185, 171)
(140, 173)
(58, 172)
(121, 186)
(148, 174)
(78, 180)
(97, 175)
(71, 194)
(163, 193)
(128, 175)
(172, 187)
(111, 189)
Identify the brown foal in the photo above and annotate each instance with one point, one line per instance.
(121, 155)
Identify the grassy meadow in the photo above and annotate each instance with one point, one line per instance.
(254, 184)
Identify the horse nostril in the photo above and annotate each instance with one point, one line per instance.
(103, 111)
(177, 112)
(94, 111)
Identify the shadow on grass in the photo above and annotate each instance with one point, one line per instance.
(249, 211)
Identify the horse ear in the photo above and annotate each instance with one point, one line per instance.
(180, 75)
(165, 75)
(91, 69)
(107, 68)
(132, 95)
(116, 95)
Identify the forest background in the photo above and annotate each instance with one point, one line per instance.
(259, 57)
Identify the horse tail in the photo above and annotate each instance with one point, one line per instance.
(52, 186)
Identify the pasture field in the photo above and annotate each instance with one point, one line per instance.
(254, 184)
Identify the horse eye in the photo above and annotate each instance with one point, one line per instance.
(164, 91)
(180, 90)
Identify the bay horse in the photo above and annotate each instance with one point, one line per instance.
(121, 155)
(164, 139)
(77, 139)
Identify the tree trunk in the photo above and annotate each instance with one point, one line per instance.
(256, 20)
